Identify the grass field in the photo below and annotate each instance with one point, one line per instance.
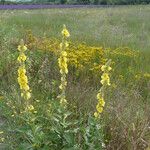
(118, 33)
(110, 27)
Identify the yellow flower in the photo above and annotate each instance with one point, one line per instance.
(66, 44)
(65, 32)
(30, 108)
(105, 79)
(21, 70)
(96, 115)
(63, 102)
(28, 95)
(105, 76)
(22, 57)
(64, 54)
(99, 95)
(106, 68)
(22, 48)
(101, 102)
(99, 108)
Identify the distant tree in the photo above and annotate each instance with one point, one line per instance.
(103, 2)
(63, 1)
(96, 2)
(2, 1)
(84, 1)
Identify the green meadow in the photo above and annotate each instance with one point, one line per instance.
(119, 33)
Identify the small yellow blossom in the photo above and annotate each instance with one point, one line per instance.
(66, 44)
(22, 48)
(65, 32)
(30, 108)
(96, 115)
(102, 102)
(105, 79)
(28, 95)
(63, 102)
(106, 68)
(22, 57)
(99, 108)
(21, 70)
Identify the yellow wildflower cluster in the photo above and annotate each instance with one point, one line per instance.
(80, 56)
(105, 81)
(62, 62)
(22, 78)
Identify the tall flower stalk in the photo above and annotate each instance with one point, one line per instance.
(105, 81)
(62, 62)
(22, 77)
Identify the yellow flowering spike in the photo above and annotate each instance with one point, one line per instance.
(62, 63)
(22, 77)
(105, 80)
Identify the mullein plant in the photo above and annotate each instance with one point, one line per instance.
(62, 62)
(93, 133)
(22, 77)
(105, 81)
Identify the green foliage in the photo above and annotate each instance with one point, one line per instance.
(57, 131)
(95, 2)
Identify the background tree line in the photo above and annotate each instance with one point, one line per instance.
(95, 2)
